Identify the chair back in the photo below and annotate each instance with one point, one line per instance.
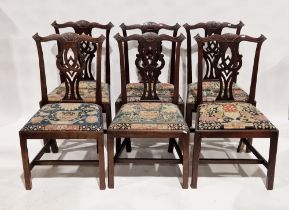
(149, 62)
(88, 49)
(228, 62)
(150, 27)
(70, 62)
(210, 48)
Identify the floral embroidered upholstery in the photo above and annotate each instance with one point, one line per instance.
(66, 116)
(211, 91)
(146, 116)
(87, 91)
(164, 92)
(233, 115)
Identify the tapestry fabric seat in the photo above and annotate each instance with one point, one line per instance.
(164, 91)
(211, 90)
(87, 91)
(66, 117)
(149, 116)
(232, 115)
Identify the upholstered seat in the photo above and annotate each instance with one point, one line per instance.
(87, 91)
(66, 117)
(211, 91)
(149, 116)
(164, 92)
(233, 115)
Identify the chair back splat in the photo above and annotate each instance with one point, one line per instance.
(150, 62)
(71, 62)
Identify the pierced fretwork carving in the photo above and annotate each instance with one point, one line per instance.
(227, 63)
(71, 64)
(150, 62)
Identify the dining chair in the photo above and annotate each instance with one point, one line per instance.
(72, 118)
(135, 89)
(149, 117)
(227, 116)
(87, 84)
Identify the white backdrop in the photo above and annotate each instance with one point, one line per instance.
(19, 20)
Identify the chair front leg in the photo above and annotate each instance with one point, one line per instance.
(272, 162)
(186, 161)
(25, 163)
(196, 157)
(110, 156)
(250, 140)
(100, 146)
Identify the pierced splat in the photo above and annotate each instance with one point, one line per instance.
(227, 63)
(150, 62)
(71, 65)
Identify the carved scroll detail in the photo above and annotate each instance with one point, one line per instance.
(150, 62)
(71, 64)
(227, 63)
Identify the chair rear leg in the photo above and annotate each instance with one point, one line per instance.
(110, 156)
(100, 146)
(189, 115)
(241, 145)
(250, 140)
(195, 162)
(25, 163)
(47, 149)
(171, 145)
(272, 162)
(53, 145)
(186, 157)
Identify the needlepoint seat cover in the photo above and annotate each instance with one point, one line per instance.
(149, 116)
(87, 90)
(211, 90)
(232, 115)
(66, 117)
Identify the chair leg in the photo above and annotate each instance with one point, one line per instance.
(110, 155)
(272, 162)
(128, 144)
(195, 162)
(171, 145)
(25, 163)
(100, 146)
(54, 147)
(47, 149)
(241, 145)
(117, 144)
(186, 148)
(247, 148)
(108, 115)
(189, 115)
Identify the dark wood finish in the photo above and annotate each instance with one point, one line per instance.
(85, 27)
(70, 64)
(144, 28)
(150, 63)
(228, 67)
(209, 51)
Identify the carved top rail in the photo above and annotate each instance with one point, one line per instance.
(70, 62)
(227, 62)
(149, 61)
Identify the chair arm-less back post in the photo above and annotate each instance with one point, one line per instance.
(44, 97)
(252, 93)
(149, 44)
(209, 28)
(85, 27)
(228, 66)
(150, 27)
(70, 63)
